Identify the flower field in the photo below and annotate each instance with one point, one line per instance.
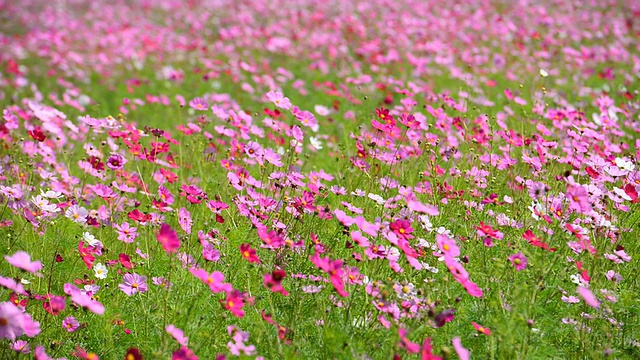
(328, 179)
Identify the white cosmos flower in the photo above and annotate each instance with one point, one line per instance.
(625, 164)
(90, 239)
(377, 198)
(322, 110)
(622, 193)
(100, 271)
(426, 223)
(50, 194)
(315, 143)
(44, 205)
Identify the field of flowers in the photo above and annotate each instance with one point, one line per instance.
(319, 179)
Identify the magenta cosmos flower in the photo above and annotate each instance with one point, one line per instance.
(133, 283)
(402, 228)
(519, 261)
(116, 162)
(70, 324)
(168, 238)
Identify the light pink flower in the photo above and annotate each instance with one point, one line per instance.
(177, 334)
(588, 297)
(279, 100)
(11, 321)
(463, 353)
(22, 260)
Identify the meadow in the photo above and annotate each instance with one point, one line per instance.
(327, 179)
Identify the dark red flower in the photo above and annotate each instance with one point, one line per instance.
(37, 134)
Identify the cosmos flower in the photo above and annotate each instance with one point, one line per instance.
(519, 261)
(100, 271)
(22, 260)
(133, 284)
(70, 324)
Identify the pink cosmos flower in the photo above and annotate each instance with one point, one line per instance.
(447, 245)
(412, 348)
(488, 233)
(402, 228)
(426, 352)
(234, 303)
(133, 283)
(410, 121)
(103, 191)
(481, 329)
(41, 354)
(168, 238)
(83, 299)
(519, 261)
(588, 297)
(371, 229)
(472, 288)
(463, 353)
(238, 346)
(335, 271)
(126, 233)
(249, 254)
(360, 239)
(77, 213)
(70, 324)
(86, 302)
(417, 206)
(13, 285)
(272, 157)
(184, 220)
(273, 281)
(31, 327)
(278, 99)
(253, 149)
(116, 162)
(198, 104)
(578, 199)
(21, 346)
(87, 254)
(215, 280)
(184, 353)
(11, 321)
(177, 334)
(54, 304)
(210, 253)
(22, 260)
